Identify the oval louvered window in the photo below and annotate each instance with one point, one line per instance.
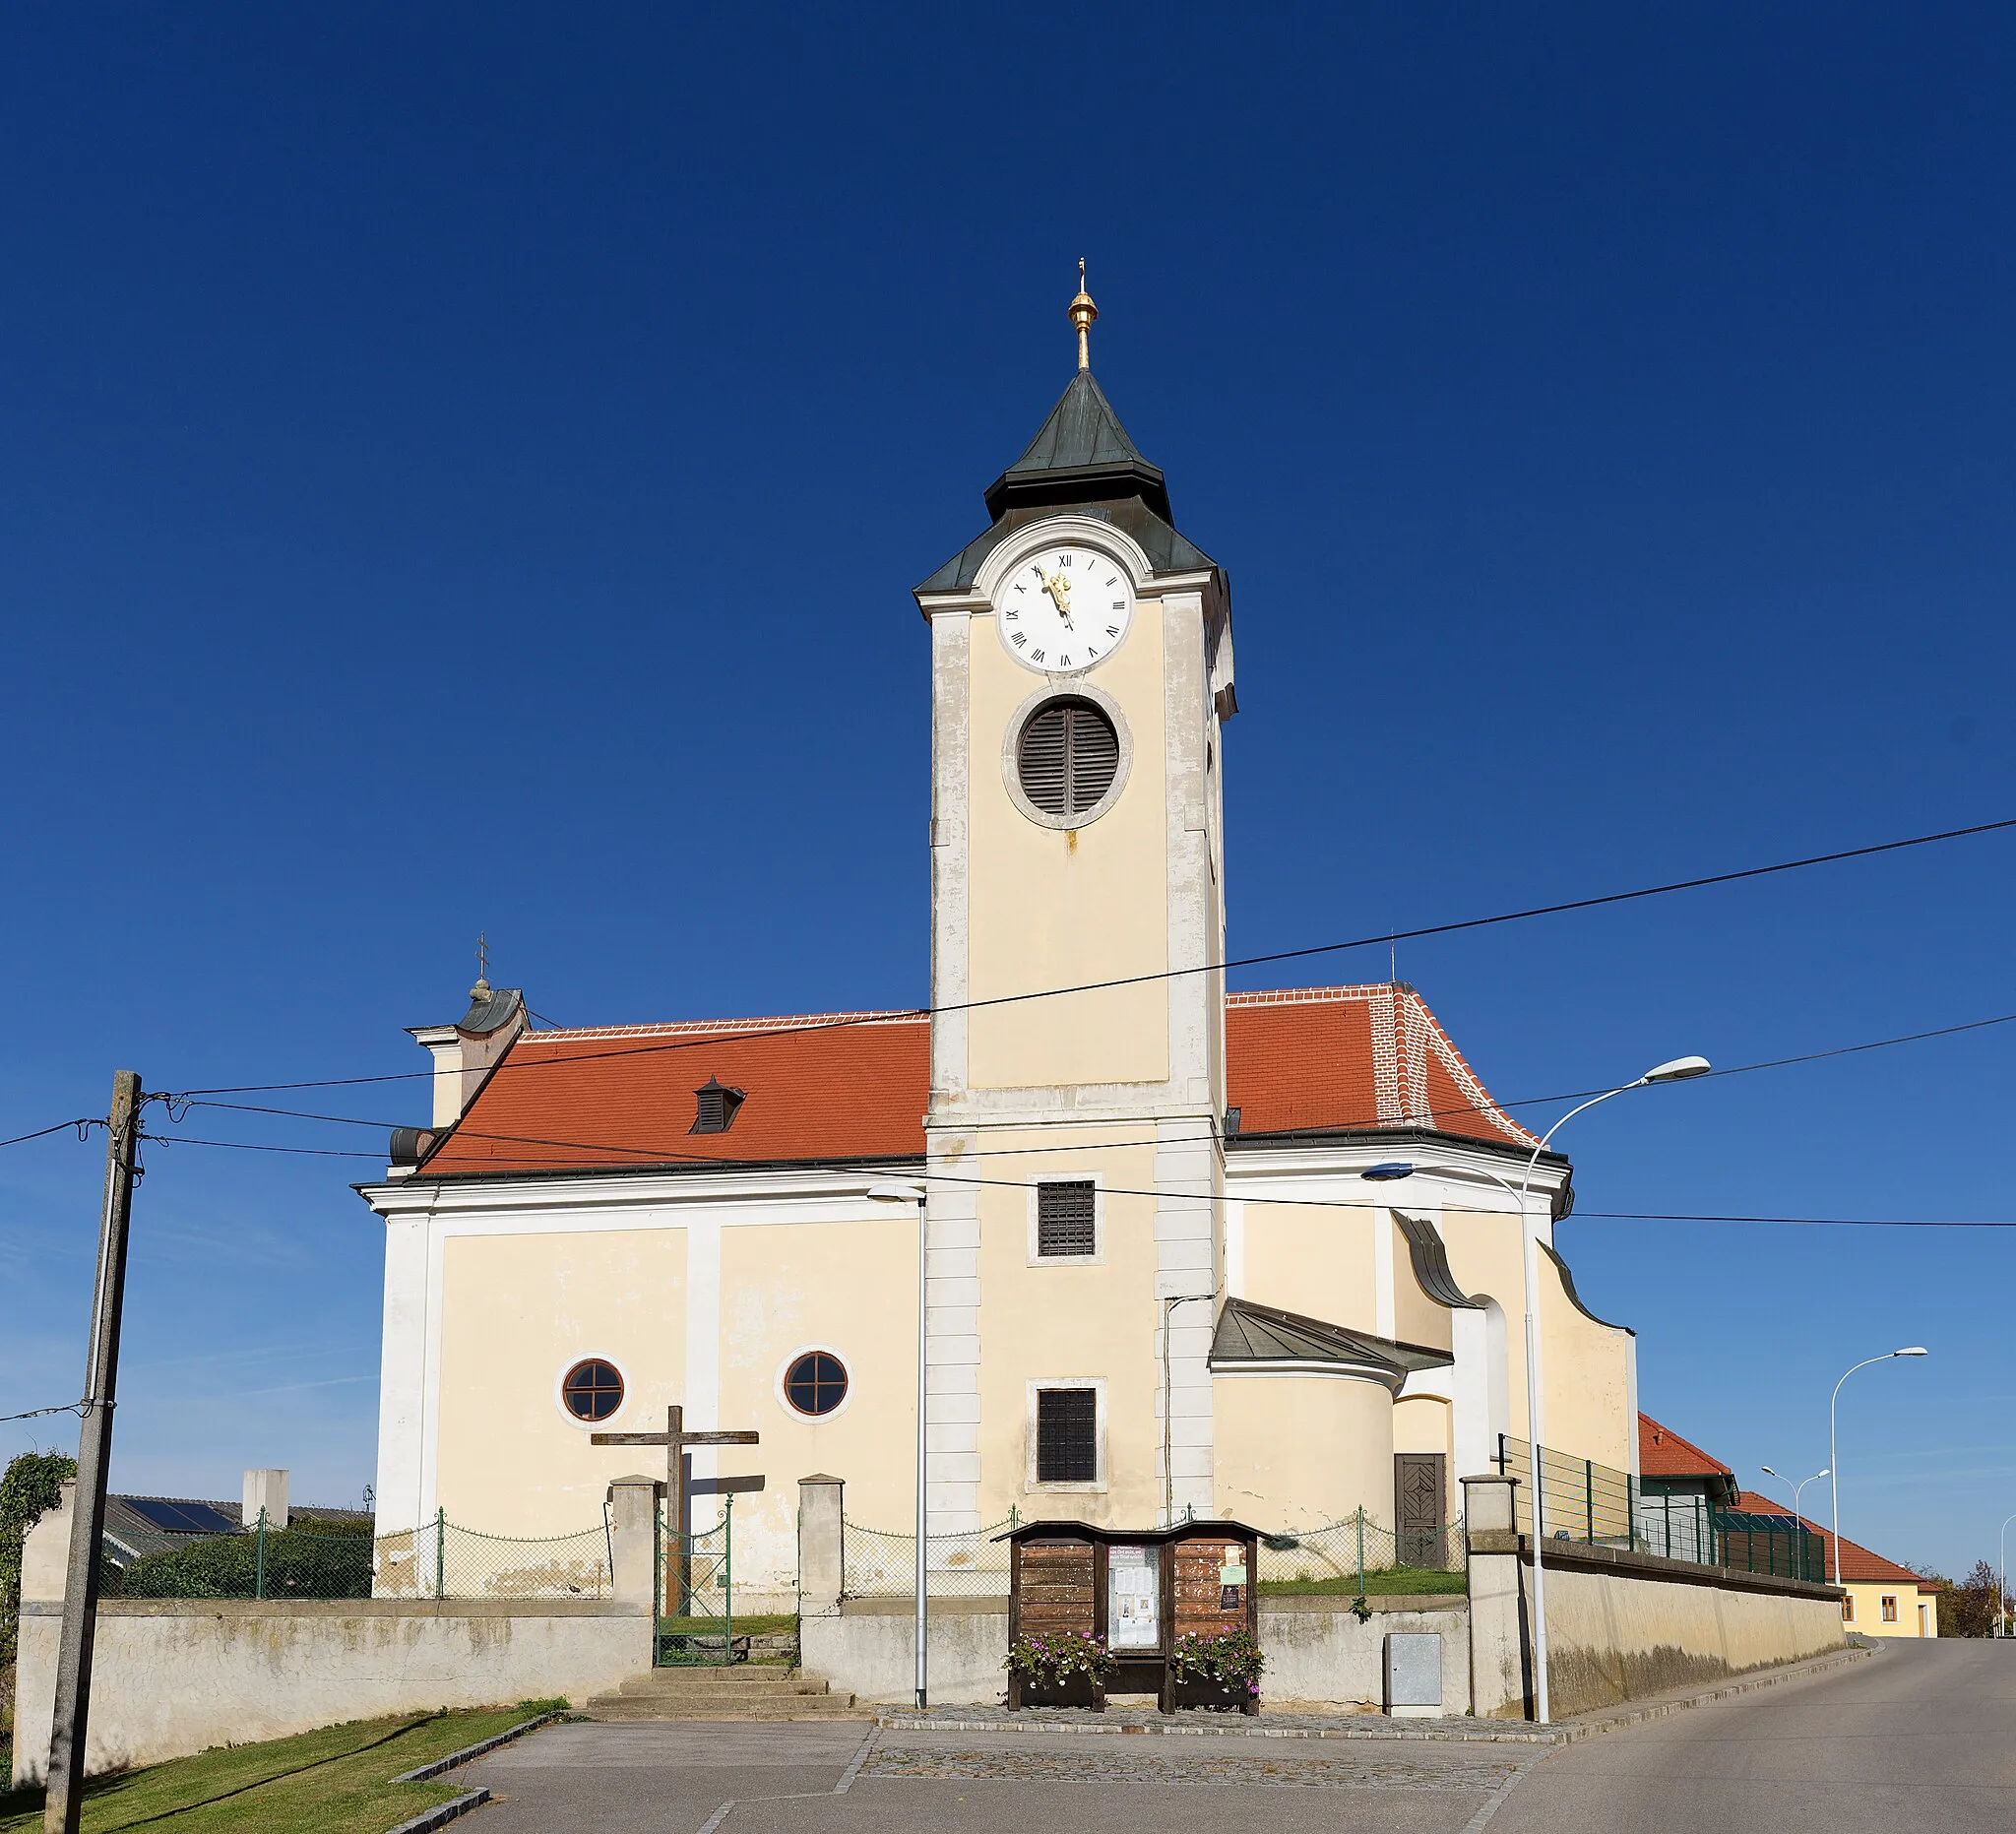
(1068, 757)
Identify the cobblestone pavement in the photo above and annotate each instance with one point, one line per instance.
(1269, 1722)
(1203, 1760)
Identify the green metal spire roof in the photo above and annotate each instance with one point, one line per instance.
(1080, 454)
(1081, 458)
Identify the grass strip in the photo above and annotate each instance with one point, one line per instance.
(336, 1780)
(1393, 1582)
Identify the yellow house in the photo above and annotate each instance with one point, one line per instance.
(1883, 1599)
(1157, 1280)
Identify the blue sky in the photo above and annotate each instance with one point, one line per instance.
(463, 469)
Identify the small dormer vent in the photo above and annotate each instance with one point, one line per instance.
(716, 1104)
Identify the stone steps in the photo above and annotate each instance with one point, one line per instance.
(741, 1693)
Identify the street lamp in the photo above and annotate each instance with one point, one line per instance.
(2002, 1584)
(915, 1194)
(1834, 1456)
(1798, 1522)
(1675, 1070)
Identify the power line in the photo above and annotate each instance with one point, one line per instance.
(1286, 1134)
(36, 1414)
(56, 1127)
(714, 1041)
(1297, 1203)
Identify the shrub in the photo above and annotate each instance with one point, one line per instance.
(1232, 1659)
(1059, 1657)
(310, 1559)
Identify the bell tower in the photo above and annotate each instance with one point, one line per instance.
(1081, 675)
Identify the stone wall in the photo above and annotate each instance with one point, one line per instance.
(1621, 1625)
(1316, 1649)
(172, 1676)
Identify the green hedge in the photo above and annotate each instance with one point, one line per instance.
(311, 1559)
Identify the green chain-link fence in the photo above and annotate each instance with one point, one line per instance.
(883, 1566)
(1360, 1554)
(316, 1559)
(1337, 1556)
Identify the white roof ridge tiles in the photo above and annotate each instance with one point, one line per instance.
(728, 1027)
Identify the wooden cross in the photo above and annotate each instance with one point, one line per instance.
(675, 1440)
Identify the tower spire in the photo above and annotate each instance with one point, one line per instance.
(1083, 313)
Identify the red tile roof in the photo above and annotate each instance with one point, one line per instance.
(1663, 1453)
(853, 1086)
(1857, 1563)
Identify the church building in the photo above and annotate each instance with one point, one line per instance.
(1156, 1281)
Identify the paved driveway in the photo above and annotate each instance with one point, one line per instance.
(1921, 1737)
(837, 1777)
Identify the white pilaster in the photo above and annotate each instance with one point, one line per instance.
(1189, 1180)
(952, 1342)
(702, 1396)
(399, 1488)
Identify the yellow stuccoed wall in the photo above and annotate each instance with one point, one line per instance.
(1302, 1452)
(851, 1287)
(1057, 1322)
(1868, 1596)
(1311, 1259)
(516, 1312)
(1586, 1365)
(1050, 908)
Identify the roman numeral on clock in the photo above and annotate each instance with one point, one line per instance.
(1112, 631)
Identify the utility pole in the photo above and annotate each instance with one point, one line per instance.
(64, 1802)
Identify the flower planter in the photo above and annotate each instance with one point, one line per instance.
(1213, 1696)
(1076, 1690)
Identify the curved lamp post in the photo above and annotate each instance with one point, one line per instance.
(1797, 1490)
(1675, 1070)
(1834, 1456)
(915, 1194)
(2002, 1584)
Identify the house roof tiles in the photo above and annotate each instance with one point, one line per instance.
(1859, 1565)
(1663, 1453)
(854, 1086)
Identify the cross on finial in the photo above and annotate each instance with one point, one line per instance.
(1083, 313)
(482, 990)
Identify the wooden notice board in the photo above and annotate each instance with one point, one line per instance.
(1139, 1591)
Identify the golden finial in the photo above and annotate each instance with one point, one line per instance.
(1083, 313)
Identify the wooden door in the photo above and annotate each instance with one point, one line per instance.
(1420, 1503)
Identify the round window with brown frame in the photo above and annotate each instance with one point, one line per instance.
(592, 1390)
(1068, 756)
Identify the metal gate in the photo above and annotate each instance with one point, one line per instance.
(696, 1595)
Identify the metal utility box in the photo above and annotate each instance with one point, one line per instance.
(1413, 1675)
(1139, 1591)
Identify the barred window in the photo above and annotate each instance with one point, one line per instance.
(1065, 1220)
(1066, 1435)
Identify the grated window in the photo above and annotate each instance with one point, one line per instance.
(1064, 1220)
(1066, 1435)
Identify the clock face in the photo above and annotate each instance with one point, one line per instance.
(1064, 609)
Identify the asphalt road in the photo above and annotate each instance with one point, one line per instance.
(1919, 1737)
(1922, 1736)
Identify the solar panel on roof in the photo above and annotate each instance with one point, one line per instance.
(173, 1518)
